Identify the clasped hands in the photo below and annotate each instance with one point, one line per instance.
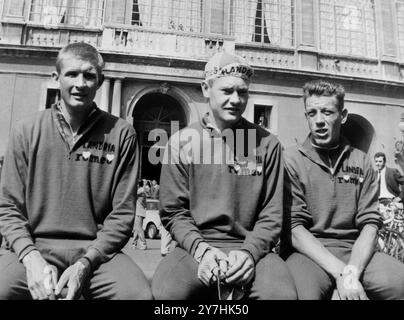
(349, 286)
(42, 278)
(237, 268)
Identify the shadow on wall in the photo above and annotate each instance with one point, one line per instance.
(359, 132)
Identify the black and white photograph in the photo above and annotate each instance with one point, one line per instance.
(202, 154)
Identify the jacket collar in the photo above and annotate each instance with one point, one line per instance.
(314, 154)
(207, 124)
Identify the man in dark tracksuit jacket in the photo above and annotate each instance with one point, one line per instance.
(390, 181)
(332, 201)
(67, 195)
(224, 212)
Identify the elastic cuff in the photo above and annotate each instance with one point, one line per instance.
(201, 250)
(25, 252)
(94, 257)
(86, 262)
(22, 246)
(252, 251)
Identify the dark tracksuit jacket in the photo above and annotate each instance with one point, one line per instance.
(332, 202)
(395, 181)
(52, 189)
(233, 204)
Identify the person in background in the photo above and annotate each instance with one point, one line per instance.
(139, 239)
(390, 181)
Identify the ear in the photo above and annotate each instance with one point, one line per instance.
(55, 75)
(101, 80)
(205, 89)
(344, 115)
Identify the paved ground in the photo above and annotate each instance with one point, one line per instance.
(147, 259)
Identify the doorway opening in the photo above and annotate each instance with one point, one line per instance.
(155, 111)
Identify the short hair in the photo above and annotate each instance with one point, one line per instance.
(324, 88)
(83, 50)
(380, 154)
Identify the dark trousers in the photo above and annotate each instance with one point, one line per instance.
(382, 279)
(176, 279)
(118, 279)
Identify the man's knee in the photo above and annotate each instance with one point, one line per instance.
(13, 282)
(273, 280)
(384, 278)
(142, 292)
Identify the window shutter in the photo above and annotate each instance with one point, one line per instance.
(217, 17)
(389, 43)
(115, 11)
(14, 9)
(308, 22)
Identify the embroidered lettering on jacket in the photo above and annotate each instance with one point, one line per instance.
(100, 145)
(246, 167)
(88, 157)
(91, 150)
(352, 175)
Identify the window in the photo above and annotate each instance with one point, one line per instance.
(14, 8)
(52, 96)
(400, 27)
(71, 12)
(348, 27)
(179, 15)
(263, 21)
(262, 116)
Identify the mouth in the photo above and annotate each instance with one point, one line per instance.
(79, 96)
(233, 110)
(321, 132)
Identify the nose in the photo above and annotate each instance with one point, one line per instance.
(319, 119)
(235, 98)
(80, 81)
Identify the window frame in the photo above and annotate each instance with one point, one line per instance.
(292, 40)
(324, 48)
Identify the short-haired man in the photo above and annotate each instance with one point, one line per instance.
(67, 195)
(390, 181)
(222, 204)
(332, 200)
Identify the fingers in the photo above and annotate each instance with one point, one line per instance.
(243, 274)
(62, 282)
(54, 275)
(239, 262)
(71, 292)
(223, 268)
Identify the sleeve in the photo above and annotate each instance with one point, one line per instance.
(118, 225)
(14, 225)
(174, 199)
(266, 231)
(295, 200)
(400, 181)
(368, 203)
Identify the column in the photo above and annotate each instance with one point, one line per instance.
(116, 98)
(105, 94)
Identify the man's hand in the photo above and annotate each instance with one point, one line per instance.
(41, 276)
(208, 270)
(349, 286)
(241, 268)
(73, 278)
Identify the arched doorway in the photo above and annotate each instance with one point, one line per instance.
(359, 132)
(155, 111)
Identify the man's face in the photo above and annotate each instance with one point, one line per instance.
(324, 119)
(228, 97)
(379, 163)
(78, 82)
